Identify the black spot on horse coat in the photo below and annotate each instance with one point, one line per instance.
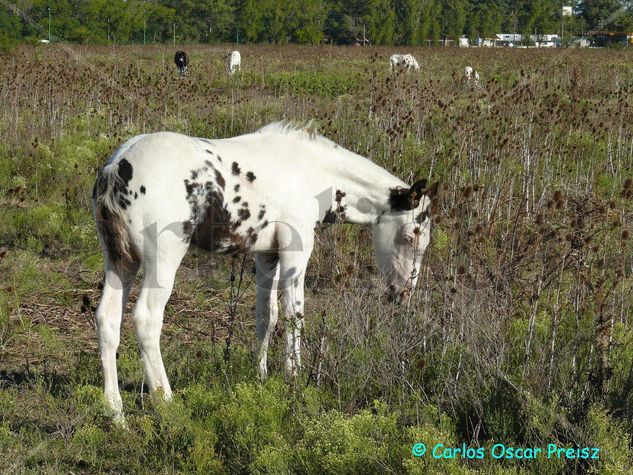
(244, 214)
(220, 179)
(125, 171)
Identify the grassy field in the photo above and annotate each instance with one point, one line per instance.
(521, 329)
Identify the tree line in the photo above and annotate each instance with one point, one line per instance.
(382, 22)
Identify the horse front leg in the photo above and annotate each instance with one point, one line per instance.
(294, 321)
(293, 269)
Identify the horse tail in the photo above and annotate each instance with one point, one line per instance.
(108, 205)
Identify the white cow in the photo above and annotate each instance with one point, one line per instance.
(472, 76)
(406, 61)
(233, 62)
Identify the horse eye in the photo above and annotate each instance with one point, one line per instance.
(423, 216)
(416, 230)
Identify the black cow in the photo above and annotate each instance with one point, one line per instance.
(181, 61)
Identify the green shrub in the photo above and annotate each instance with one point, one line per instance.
(7, 44)
(434, 428)
(252, 424)
(366, 442)
(89, 402)
(310, 83)
(610, 436)
(7, 439)
(87, 444)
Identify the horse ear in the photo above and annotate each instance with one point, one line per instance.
(402, 199)
(431, 191)
(416, 191)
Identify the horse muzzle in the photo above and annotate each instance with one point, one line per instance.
(398, 298)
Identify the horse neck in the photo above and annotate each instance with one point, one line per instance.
(358, 190)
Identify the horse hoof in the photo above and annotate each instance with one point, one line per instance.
(120, 422)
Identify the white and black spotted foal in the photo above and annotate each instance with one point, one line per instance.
(263, 193)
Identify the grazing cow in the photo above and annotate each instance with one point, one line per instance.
(471, 76)
(233, 62)
(405, 61)
(182, 60)
(263, 193)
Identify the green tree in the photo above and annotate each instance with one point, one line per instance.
(490, 21)
(158, 22)
(424, 26)
(346, 19)
(190, 20)
(379, 22)
(599, 13)
(10, 24)
(435, 26)
(250, 20)
(108, 21)
(303, 21)
(220, 20)
(312, 16)
(279, 19)
(540, 16)
(64, 20)
(453, 17)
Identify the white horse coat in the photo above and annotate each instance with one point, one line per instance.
(233, 62)
(263, 193)
(471, 75)
(406, 61)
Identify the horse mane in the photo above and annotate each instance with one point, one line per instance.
(305, 131)
(308, 131)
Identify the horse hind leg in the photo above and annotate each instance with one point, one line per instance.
(116, 289)
(158, 281)
(267, 275)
